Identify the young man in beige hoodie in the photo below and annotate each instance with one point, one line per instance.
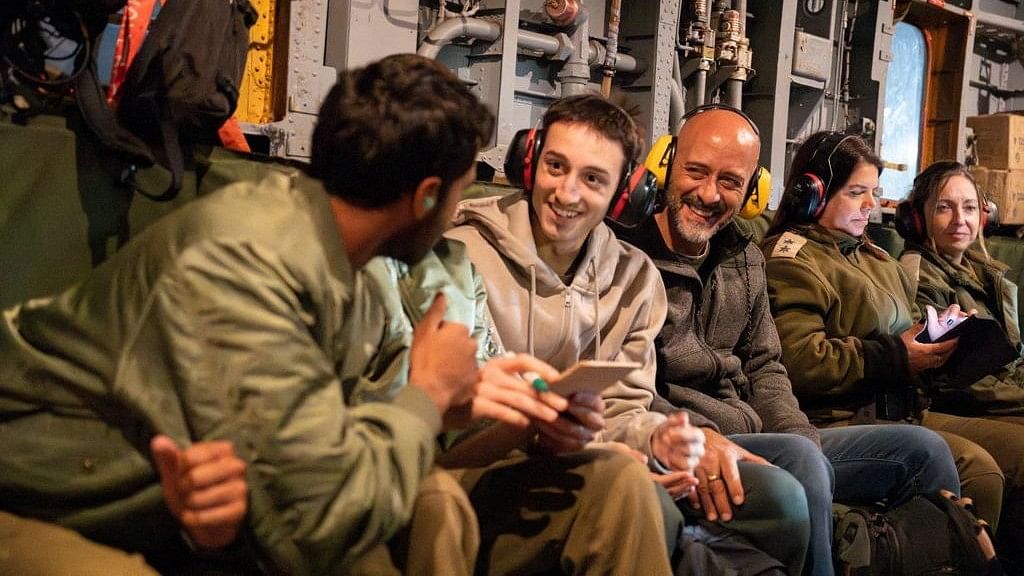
(546, 253)
(562, 287)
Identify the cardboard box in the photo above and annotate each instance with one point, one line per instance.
(999, 140)
(1006, 189)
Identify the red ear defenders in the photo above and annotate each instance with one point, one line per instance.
(806, 195)
(662, 156)
(634, 201)
(910, 219)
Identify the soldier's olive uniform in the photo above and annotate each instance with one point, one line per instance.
(981, 284)
(840, 305)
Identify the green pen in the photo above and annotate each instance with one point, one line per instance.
(539, 384)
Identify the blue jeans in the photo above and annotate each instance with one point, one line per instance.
(785, 507)
(856, 464)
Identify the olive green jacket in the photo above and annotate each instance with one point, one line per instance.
(839, 305)
(941, 283)
(232, 318)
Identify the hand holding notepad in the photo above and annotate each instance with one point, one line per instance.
(983, 347)
(941, 326)
(591, 375)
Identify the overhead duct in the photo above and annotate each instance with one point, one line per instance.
(443, 33)
(558, 47)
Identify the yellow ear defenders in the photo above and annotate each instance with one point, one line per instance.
(662, 155)
(759, 192)
(429, 202)
(659, 159)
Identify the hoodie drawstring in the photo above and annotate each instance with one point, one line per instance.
(529, 315)
(597, 317)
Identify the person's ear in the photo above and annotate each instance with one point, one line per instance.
(425, 198)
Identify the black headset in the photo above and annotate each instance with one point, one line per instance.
(633, 202)
(663, 153)
(806, 194)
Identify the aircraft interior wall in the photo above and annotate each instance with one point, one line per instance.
(795, 66)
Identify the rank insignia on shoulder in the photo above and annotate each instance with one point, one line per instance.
(788, 245)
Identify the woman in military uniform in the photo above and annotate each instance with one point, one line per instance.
(948, 262)
(845, 313)
(946, 258)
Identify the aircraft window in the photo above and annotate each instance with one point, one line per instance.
(904, 101)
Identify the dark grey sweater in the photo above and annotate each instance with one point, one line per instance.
(719, 352)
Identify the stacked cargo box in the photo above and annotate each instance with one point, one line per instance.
(999, 145)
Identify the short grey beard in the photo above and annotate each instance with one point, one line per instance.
(701, 236)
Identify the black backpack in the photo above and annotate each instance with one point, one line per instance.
(181, 87)
(928, 534)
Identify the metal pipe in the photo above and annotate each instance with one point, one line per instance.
(1002, 22)
(623, 62)
(734, 92)
(548, 45)
(575, 73)
(838, 54)
(442, 35)
(734, 87)
(612, 49)
(551, 46)
(676, 105)
(700, 87)
(677, 102)
(847, 51)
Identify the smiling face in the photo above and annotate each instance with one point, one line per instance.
(849, 208)
(716, 154)
(953, 217)
(579, 171)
